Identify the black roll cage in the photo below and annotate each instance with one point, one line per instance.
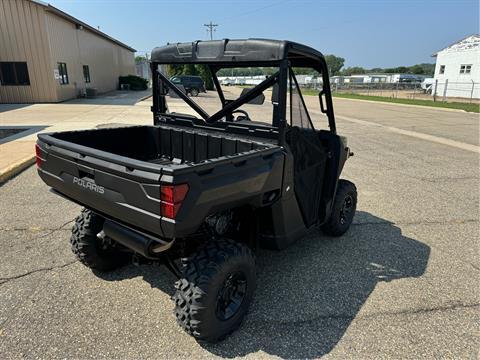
(302, 58)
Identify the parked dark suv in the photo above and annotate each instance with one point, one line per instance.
(193, 84)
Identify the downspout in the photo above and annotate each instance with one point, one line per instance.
(80, 64)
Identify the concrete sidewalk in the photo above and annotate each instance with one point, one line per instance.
(15, 156)
(119, 107)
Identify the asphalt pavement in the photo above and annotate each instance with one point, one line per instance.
(402, 283)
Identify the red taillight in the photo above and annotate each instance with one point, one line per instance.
(38, 156)
(169, 210)
(173, 193)
(171, 197)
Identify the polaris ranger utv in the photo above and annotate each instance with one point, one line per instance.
(201, 193)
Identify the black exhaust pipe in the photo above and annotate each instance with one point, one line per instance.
(141, 243)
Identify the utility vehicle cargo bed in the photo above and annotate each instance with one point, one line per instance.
(159, 145)
(118, 172)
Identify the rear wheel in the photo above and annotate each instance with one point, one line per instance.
(99, 254)
(215, 292)
(194, 92)
(343, 211)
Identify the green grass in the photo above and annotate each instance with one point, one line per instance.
(449, 105)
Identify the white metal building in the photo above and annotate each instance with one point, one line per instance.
(377, 78)
(457, 69)
(47, 55)
(241, 80)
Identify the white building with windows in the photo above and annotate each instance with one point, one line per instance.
(457, 69)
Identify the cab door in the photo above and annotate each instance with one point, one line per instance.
(309, 154)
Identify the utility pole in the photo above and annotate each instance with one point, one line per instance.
(210, 29)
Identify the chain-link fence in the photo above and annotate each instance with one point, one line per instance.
(447, 91)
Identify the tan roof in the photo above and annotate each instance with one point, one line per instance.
(78, 22)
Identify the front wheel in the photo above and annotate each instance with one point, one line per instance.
(343, 211)
(215, 292)
(194, 92)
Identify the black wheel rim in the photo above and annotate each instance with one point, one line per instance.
(231, 295)
(347, 209)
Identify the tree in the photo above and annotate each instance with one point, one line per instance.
(428, 69)
(204, 72)
(334, 64)
(174, 69)
(354, 70)
(305, 71)
(416, 69)
(189, 69)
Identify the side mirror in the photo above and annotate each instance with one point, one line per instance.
(259, 100)
(320, 99)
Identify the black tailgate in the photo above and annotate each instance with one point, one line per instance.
(129, 195)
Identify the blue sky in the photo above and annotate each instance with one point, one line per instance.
(368, 33)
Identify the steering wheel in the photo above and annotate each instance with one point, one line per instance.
(240, 118)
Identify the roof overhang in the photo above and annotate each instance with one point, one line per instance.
(80, 23)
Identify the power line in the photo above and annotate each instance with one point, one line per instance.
(251, 11)
(210, 29)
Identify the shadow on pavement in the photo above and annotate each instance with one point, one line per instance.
(10, 107)
(11, 132)
(308, 294)
(156, 275)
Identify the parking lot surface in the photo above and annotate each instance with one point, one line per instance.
(402, 283)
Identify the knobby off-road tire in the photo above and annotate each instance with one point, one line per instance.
(343, 211)
(101, 255)
(219, 271)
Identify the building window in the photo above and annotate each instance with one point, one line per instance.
(442, 69)
(86, 73)
(62, 71)
(14, 73)
(465, 69)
